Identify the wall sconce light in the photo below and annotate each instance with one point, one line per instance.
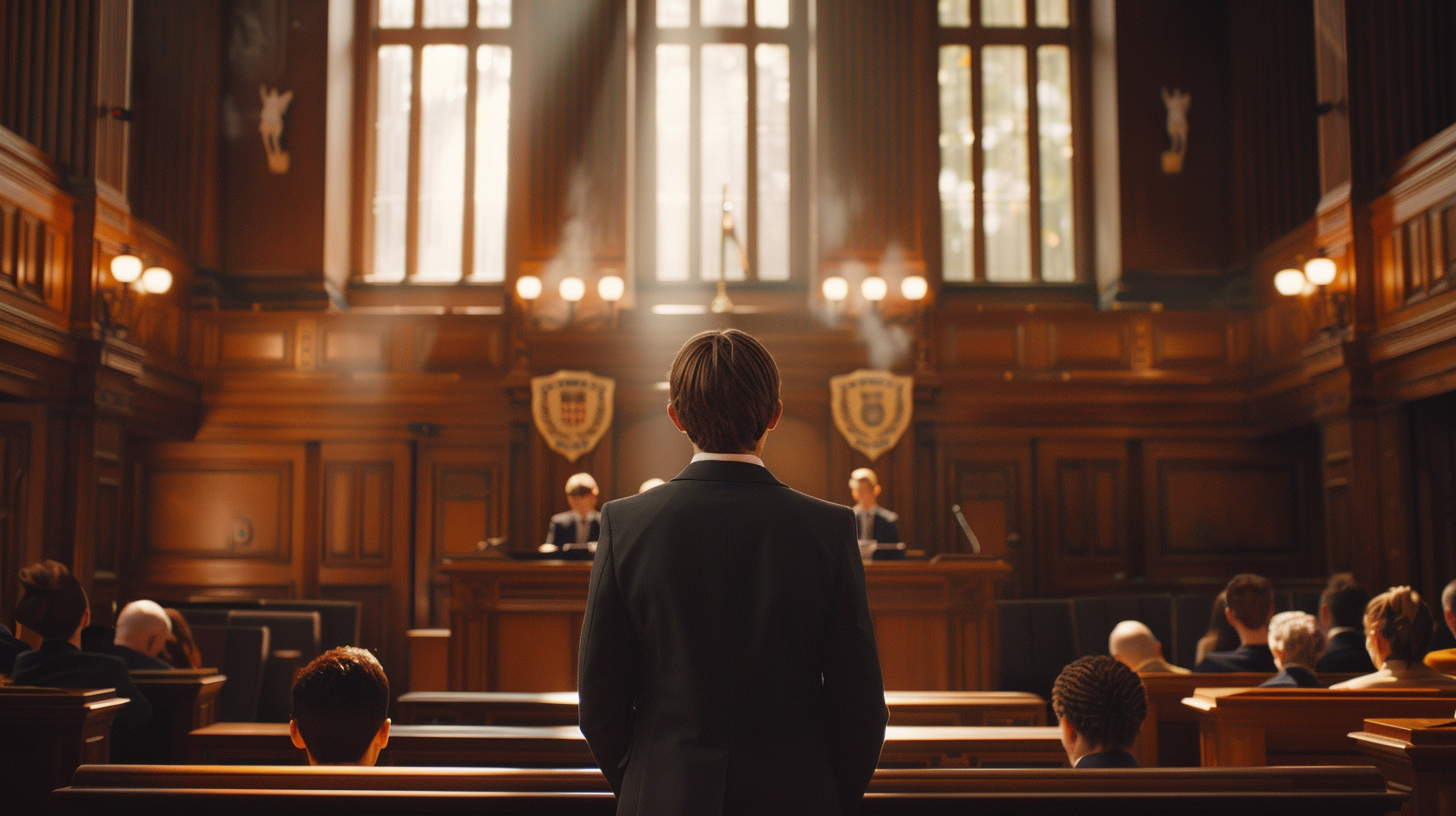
(914, 288)
(1316, 277)
(835, 289)
(611, 288)
(874, 289)
(120, 305)
(572, 289)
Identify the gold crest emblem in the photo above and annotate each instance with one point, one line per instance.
(572, 410)
(871, 409)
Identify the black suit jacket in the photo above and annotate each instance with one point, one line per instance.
(10, 648)
(563, 529)
(1293, 677)
(728, 662)
(1253, 657)
(1108, 759)
(101, 640)
(1346, 653)
(885, 529)
(58, 664)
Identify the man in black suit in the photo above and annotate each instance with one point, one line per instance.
(580, 525)
(53, 605)
(10, 648)
(1342, 613)
(873, 522)
(728, 661)
(1100, 704)
(141, 633)
(1250, 603)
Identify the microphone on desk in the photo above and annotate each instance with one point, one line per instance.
(970, 536)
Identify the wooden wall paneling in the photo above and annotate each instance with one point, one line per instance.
(1085, 535)
(365, 550)
(462, 501)
(649, 446)
(1433, 465)
(221, 515)
(993, 484)
(50, 79)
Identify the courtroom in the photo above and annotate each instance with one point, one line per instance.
(445, 406)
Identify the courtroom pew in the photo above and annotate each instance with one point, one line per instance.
(1297, 726)
(183, 700)
(1169, 736)
(1271, 791)
(48, 733)
(1417, 756)
(966, 708)
(564, 747)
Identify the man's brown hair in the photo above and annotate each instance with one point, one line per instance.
(52, 602)
(724, 386)
(1251, 599)
(339, 702)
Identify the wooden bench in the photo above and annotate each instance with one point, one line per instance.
(1295, 726)
(48, 733)
(1169, 735)
(564, 746)
(1417, 756)
(988, 708)
(1246, 791)
(183, 700)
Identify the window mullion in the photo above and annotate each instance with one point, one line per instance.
(1033, 162)
(750, 162)
(695, 160)
(412, 188)
(978, 167)
(467, 249)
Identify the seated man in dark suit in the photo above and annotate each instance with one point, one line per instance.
(728, 660)
(1100, 705)
(873, 522)
(1444, 660)
(53, 605)
(1250, 603)
(1296, 641)
(1342, 614)
(581, 525)
(10, 648)
(340, 708)
(141, 633)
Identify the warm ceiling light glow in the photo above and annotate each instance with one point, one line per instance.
(1289, 281)
(528, 287)
(874, 288)
(914, 288)
(157, 280)
(835, 289)
(126, 268)
(1320, 271)
(611, 288)
(572, 289)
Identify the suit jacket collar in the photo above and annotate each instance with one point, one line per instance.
(718, 471)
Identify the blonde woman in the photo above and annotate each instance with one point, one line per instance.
(1398, 630)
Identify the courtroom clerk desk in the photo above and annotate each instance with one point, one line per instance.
(1417, 756)
(484, 746)
(1005, 708)
(515, 625)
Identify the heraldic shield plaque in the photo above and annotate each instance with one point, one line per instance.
(573, 410)
(871, 409)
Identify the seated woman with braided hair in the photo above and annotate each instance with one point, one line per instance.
(1100, 705)
(1398, 632)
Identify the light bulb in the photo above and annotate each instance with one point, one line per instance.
(835, 289)
(1289, 282)
(914, 288)
(528, 287)
(611, 288)
(157, 280)
(874, 288)
(126, 268)
(1320, 271)
(572, 289)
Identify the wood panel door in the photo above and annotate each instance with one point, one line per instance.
(364, 546)
(992, 484)
(462, 501)
(1084, 535)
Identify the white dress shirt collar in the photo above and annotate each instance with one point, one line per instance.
(728, 457)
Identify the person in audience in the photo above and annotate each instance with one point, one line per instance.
(1398, 630)
(1296, 642)
(1250, 601)
(1444, 660)
(141, 633)
(1221, 635)
(10, 648)
(341, 708)
(728, 660)
(53, 605)
(873, 522)
(1133, 645)
(181, 650)
(1342, 612)
(1100, 704)
(580, 525)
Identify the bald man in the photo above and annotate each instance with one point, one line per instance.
(1134, 645)
(142, 630)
